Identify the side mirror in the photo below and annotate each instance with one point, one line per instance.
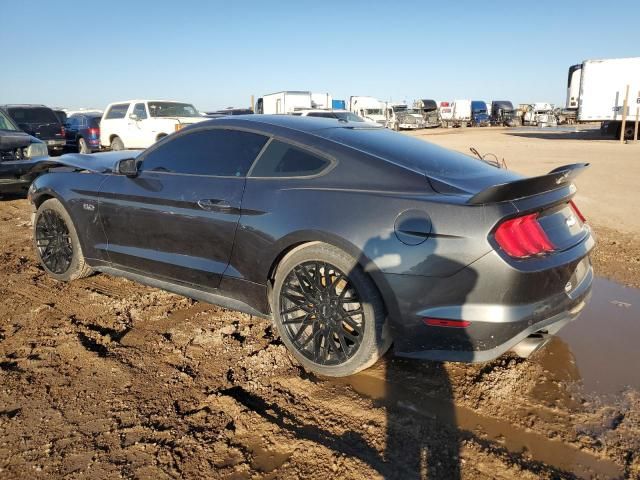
(127, 166)
(134, 116)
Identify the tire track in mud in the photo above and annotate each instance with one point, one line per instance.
(114, 378)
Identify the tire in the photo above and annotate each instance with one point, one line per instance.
(116, 144)
(65, 261)
(335, 337)
(82, 146)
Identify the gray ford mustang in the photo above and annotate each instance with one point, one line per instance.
(348, 236)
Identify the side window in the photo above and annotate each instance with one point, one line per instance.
(72, 122)
(140, 111)
(117, 111)
(283, 160)
(217, 152)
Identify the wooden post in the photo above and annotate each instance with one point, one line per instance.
(635, 130)
(624, 114)
(251, 104)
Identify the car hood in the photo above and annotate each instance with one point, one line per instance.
(95, 162)
(12, 140)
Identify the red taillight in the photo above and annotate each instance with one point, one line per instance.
(577, 211)
(62, 131)
(443, 322)
(94, 131)
(523, 237)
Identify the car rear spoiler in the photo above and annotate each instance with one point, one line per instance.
(527, 187)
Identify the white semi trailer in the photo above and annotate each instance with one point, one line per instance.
(283, 102)
(597, 89)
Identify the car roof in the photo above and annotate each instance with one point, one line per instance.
(140, 100)
(291, 122)
(24, 105)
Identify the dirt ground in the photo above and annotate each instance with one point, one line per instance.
(105, 378)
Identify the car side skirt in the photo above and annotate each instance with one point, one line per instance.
(184, 290)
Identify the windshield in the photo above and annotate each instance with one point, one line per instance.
(6, 124)
(172, 109)
(33, 115)
(351, 117)
(373, 111)
(400, 108)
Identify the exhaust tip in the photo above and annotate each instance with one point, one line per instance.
(531, 344)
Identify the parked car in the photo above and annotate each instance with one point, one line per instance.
(339, 114)
(82, 132)
(62, 116)
(229, 111)
(347, 238)
(40, 122)
(19, 153)
(479, 115)
(141, 123)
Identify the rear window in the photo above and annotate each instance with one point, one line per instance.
(283, 160)
(418, 155)
(94, 122)
(33, 115)
(117, 111)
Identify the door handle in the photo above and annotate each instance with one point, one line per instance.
(213, 204)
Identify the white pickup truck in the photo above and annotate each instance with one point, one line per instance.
(141, 123)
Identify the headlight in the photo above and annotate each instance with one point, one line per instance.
(37, 150)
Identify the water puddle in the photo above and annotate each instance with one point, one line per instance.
(373, 383)
(600, 350)
(598, 353)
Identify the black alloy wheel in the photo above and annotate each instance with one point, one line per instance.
(322, 313)
(53, 241)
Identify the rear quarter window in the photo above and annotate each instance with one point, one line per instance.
(117, 111)
(283, 160)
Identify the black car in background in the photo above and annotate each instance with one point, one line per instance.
(41, 122)
(82, 132)
(62, 116)
(348, 236)
(19, 154)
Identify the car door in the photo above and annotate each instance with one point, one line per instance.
(71, 131)
(138, 126)
(177, 218)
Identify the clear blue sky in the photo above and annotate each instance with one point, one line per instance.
(216, 54)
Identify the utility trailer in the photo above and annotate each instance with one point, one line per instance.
(601, 88)
(456, 113)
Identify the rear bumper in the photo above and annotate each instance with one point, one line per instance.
(505, 327)
(503, 304)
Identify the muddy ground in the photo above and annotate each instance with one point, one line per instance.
(105, 378)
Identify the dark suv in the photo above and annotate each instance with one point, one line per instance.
(40, 122)
(19, 153)
(82, 131)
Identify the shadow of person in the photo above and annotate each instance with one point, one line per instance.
(422, 437)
